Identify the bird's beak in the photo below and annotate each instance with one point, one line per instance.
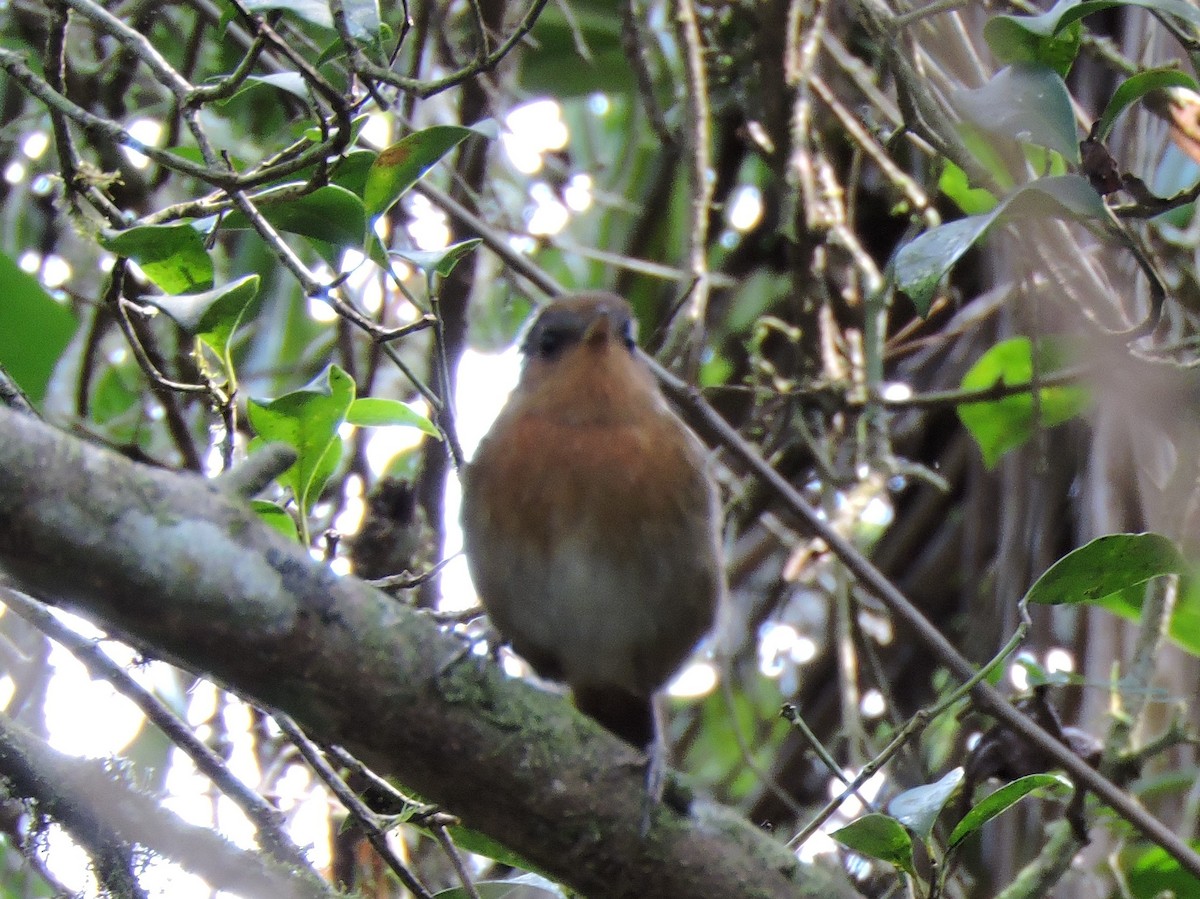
(598, 331)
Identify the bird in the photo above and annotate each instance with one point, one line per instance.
(591, 521)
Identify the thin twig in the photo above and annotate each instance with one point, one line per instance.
(368, 820)
(917, 723)
(13, 396)
(105, 129)
(426, 89)
(873, 580)
(686, 332)
(264, 816)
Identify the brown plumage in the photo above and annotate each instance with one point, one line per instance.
(591, 524)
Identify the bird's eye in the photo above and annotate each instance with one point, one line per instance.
(551, 342)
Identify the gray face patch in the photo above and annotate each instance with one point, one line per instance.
(562, 326)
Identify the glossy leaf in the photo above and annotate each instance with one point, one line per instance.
(1137, 86)
(307, 420)
(1005, 798)
(212, 315)
(1107, 565)
(314, 11)
(375, 412)
(289, 82)
(1028, 103)
(922, 263)
(330, 214)
(324, 470)
(276, 517)
(401, 165)
(996, 157)
(442, 261)
(918, 808)
(1004, 424)
(34, 330)
(1066, 12)
(879, 836)
(172, 256)
(1033, 39)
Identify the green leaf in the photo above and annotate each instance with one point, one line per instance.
(971, 200)
(922, 263)
(1033, 39)
(351, 171)
(172, 256)
(1005, 798)
(314, 11)
(324, 470)
(918, 808)
(289, 82)
(1061, 196)
(715, 371)
(881, 837)
(1047, 162)
(1028, 103)
(1106, 566)
(578, 54)
(330, 214)
(1134, 88)
(317, 135)
(276, 517)
(212, 315)
(307, 420)
(34, 330)
(1066, 12)
(480, 844)
(401, 165)
(994, 156)
(1004, 424)
(1151, 873)
(372, 412)
(440, 261)
(1184, 627)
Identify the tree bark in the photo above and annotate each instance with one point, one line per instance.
(188, 573)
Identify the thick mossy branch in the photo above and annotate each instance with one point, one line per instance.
(188, 573)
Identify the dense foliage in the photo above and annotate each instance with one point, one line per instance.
(922, 276)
